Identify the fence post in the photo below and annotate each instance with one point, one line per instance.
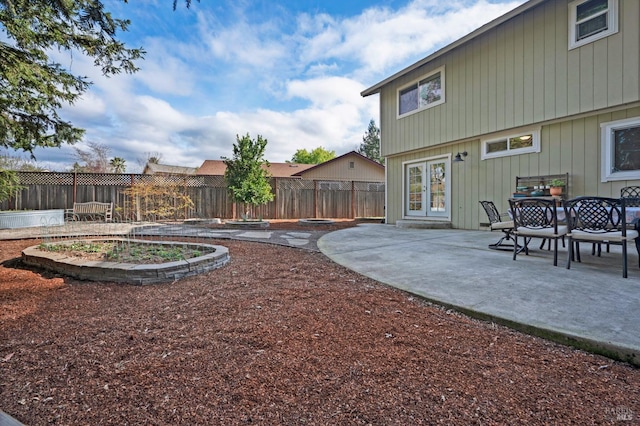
(275, 197)
(75, 186)
(315, 198)
(353, 199)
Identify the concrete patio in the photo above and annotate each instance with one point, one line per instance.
(589, 306)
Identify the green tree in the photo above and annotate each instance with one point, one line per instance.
(370, 146)
(118, 165)
(33, 87)
(316, 156)
(245, 175)
(9, 184)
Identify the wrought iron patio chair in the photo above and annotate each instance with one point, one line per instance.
(632, 199)
(631, 192)
(499, 222)
(597, 220)
(536, 218)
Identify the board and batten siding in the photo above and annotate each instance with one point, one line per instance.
(517, 74)
(571, 146)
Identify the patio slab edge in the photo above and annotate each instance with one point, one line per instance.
(609, 350)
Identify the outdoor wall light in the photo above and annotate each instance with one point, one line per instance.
(458, 157)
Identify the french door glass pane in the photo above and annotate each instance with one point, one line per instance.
(415, 188)
(437, 201)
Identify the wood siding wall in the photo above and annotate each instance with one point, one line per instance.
(571, 146)
(517, 74)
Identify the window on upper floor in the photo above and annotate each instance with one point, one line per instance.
(591, 20)
(621, 149)
(422, 94)
(514, 144)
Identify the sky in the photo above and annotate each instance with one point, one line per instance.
(290, 71)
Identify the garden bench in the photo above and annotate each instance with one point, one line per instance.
(90, 211)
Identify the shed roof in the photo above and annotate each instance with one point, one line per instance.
(155, 168)
(217, 168)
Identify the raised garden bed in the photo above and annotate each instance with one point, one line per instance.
(124, 272)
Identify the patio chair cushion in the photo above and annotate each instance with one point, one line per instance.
(615, 236)
(542, 232)
(499, 226)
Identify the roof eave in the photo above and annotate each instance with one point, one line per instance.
(483, 29)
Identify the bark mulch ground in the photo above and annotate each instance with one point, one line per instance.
(280, 336)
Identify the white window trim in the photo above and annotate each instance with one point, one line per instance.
(607, 143)
(535, 132)
(417, 80)
(613, 24)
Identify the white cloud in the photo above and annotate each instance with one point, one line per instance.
(164, 72)
(296, 82)
(381, 38)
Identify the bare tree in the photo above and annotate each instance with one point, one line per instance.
(93, 160)
(149, 157)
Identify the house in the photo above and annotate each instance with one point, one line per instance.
(165, 169)
(278, 170)
(551, 87)
(351, 166)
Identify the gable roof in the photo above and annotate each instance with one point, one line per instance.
(348, 154)
(483, 29)
(217, 168)
(155, 168)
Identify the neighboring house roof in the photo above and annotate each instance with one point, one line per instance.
(166, 169)
(483, 29)
(217, 168)
(349, 166)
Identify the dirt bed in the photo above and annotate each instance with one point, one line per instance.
(280, 336)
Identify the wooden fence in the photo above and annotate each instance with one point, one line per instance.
(294, 198)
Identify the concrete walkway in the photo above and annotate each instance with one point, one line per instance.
(590, 306)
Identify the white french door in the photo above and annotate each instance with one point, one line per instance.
(426, 188)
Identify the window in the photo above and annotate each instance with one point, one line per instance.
(514, 144)
(591, 20)
(621, 149)
(352, 164)
(422, 94)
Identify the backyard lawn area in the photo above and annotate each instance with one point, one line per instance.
(280, 336)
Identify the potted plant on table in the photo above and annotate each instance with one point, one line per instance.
(555, 186)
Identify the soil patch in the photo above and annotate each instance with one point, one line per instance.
(125, 251)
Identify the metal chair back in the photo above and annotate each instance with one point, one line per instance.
(598, 220)
(533, 214)
(492, 212)
(632, 195)
(595, 215)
